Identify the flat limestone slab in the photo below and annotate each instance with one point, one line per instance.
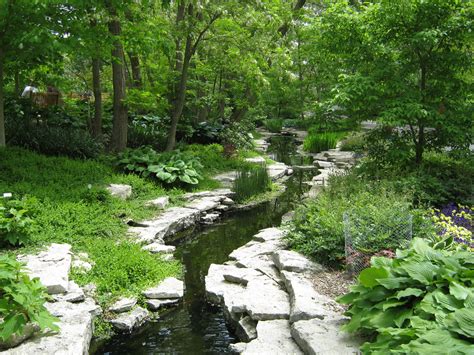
(123, 305)
(74, 336)
(51, 267)
(205, 204)
(168, 288)
(273, 338)
(305, 302)
(155, 305)
(217, 192)
(277, 170)
(254, 248)
(159, 248)
(317, 337)
(288, 260)
(268, 234)
(128, 321)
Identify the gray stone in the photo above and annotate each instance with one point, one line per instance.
(238, 348)
(168, 288)
(227, 178)
(268, 234)
(277, 170)
(205, 204)
(169, 222)
(323, 164)
(305, 302)
(126, 322)
(263, 264)
(273, 338)
(51, 267)
(287, 217)
(292, 261)
(123, 305)
(210, 218)
(155, 305)
(289, 171)
(228, 201)
(256, 160)
(160, 202)
(246, 329)
(324, 337)
(217, 192)
(120, 191)
(159, 248)
(74, 294)
(75, 323)
(222, 208)
(254, 248)
(240, 275)
(81, 265)
(16, 339)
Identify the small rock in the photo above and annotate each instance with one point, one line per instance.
(238, 348)
(268, 234)
(120, 191)
(128, 321)
(168, 288)
(160, 202)
(74, 294)
(222, 208)
(210, 218)
(90, 290)
(158, 248)
(292, 261)
(123, 305)
(81, 265)
(228, 201)
(205, 204)
(167, 257)
(256, 160)
(155, 305)
(247, 329)
(289, 172)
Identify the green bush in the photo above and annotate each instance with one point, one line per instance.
(318, 229)
(251, 181)
(274, 125)
(15, 220)
(418, 303)
(21, 301)
(355, 142)
(318, 142)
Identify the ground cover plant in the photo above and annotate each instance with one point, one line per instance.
(421, 301)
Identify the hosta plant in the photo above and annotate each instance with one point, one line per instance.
(21, 302)
(418, 303)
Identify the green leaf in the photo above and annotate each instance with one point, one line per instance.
(369, 277)
(409, 292)
(458, 291)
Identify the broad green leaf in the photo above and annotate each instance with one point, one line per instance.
(369, 277)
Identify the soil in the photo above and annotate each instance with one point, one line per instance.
(333, 284)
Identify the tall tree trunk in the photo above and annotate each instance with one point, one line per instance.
(180, 95)
(2, 112)
(136, 70)
(96, 126)
(118, 140)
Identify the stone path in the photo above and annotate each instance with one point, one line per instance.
(269, 300)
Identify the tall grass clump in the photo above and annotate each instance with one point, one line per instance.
(317, 142)
(251, 181)
(274, 125)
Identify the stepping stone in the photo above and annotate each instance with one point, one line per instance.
(277, 170)
(228, 201)
(74, 294)
(51, 267)
(268, 234)
(122, 192)
(253, 248)
(305, 302)
(323, 164)
(158, 248)
(155, 305)
(126, 322)
(123, 305)
(289, 260)
(317, 336)
(210, 218)
(160, 202)
(273, 338)
(168, 288)
(205, 204)
(222, 193)
(256, 160)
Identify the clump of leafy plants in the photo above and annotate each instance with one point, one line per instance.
(168, 168)
(420, 302)
(15, 220)
(317, 142)
(251, 181)
(21, 302)
(274, 125)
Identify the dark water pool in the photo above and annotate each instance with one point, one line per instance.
(195, 327)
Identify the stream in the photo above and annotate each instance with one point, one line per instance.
(196, 327)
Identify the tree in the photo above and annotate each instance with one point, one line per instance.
(405, 64)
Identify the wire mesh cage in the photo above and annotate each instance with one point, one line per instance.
(366, 237)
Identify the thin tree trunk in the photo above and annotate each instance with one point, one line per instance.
(2, 113)
(136, 70)
(118, 140)
(96, 126)
(17, 83)
(180, 96)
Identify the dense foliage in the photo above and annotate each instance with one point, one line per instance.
(21, 301)
(420, 302)
(251, 181)
(15, 220)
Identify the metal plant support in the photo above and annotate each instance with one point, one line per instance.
(365, 238)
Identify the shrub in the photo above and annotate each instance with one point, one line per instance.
(355, 142)
(251, 181)
(55, 140)
(148, 130)
(15, 220)
(167, 167)
(318, 229)
(21, 301)
(237, 134)
(207, 133)
(318, 142)
(274, 125)
(420, 302)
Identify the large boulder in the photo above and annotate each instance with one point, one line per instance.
(169, 288)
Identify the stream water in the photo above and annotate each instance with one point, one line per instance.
(196, 327)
